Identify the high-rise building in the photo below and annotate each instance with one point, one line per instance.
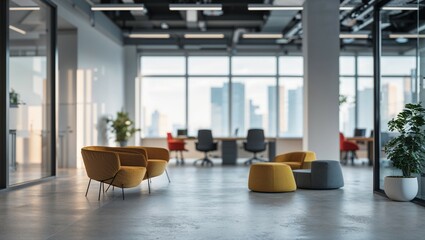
(392, 103)
(159, 123)
(255, 119)
(238, 108)
(295, 112)
(273, 110)
(365, 109)
(218, 111)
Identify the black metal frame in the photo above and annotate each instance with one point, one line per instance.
(4, 93)
(4, 88)
(377, 52)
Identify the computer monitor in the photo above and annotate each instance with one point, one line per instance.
(181, 132)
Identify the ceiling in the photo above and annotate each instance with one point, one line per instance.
(235, 19)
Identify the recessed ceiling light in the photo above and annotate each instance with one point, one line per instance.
(204, 35)
(149, 35)
(28, 8)
(262, 35)
(407, 35)
(18, 30)
(400, 8)
(353, 35)
(194, 7)
(269, 7)
(118, 7)
(401, 40)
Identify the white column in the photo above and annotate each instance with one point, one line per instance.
(321, 77)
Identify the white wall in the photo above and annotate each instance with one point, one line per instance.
(99, 80)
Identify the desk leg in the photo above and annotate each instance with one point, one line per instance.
(272, 150)
(370, 152)
(229, 152)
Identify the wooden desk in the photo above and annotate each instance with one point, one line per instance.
(369, 142)
(229, 148)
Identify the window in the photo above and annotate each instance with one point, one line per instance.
(254, 65)
(250, 90)
(292, 66)
(291, 106)
(208, 65)
(163, 108)
(163, 66)
(209, 99)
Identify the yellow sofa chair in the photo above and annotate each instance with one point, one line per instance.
(271, 177)
(157, 162)
(120, 167)
(297, 160)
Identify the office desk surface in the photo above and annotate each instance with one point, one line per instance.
(223, 138)
(363, 139)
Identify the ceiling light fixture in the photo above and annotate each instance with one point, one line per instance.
(351, 35)
(262, 35)
(204, 35)
(28, 8)
(400, 8)
(269, 7)
(407, 35)
(195, 7)
(118, 7)
(346, 8)
(18, 30)
(149, 35)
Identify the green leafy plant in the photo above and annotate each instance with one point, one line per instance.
(407, 150)
(14, 97)
(342, 99)
(122, 126)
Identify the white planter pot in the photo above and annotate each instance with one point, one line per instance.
(400, 188)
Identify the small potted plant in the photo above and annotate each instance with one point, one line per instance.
(406, 152)
(123, 128)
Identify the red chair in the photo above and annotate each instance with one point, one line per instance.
(347, 147)
(176, 145)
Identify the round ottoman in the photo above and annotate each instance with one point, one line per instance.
(271, 177)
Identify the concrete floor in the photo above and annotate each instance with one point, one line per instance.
(205, 203)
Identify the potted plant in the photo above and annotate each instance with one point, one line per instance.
(123, 128)
(406, 152)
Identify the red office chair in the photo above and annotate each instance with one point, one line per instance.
(176, 145)
(347, 147)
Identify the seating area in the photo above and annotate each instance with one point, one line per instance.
(124, 167)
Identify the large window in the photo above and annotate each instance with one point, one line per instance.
(226, 94)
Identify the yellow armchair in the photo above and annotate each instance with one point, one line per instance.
(120, 167)
(297, 160)
(157, 159)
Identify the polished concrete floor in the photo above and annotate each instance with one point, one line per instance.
(205, 203)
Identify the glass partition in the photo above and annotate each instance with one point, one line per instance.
(30, 81)
(400, 78)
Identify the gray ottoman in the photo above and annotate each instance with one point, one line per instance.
(324, 174)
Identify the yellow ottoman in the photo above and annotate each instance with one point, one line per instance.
(271, 177)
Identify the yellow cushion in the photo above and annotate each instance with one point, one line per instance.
(271, 177)
(128, 176)
(293, 165)
(155, 168)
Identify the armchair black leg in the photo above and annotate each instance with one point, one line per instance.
(122, 189)
(166, 172)
(100, 189)
(88, 186)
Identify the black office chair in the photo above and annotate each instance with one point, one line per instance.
(255, 143)
(205, 144)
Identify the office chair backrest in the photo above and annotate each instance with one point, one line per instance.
(255, 137)
(169, 136)
(359, 132)
(205, 138)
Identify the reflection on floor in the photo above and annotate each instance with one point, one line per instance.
(26, 172)
(205, 203)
